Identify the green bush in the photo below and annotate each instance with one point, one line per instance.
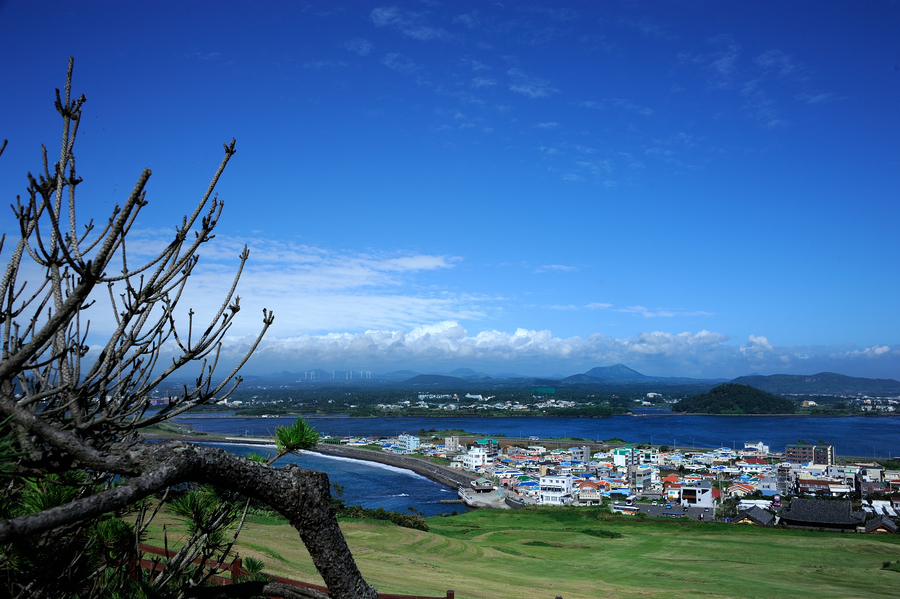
(406, 520)
(603, 534)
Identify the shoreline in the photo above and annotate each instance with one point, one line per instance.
(442, 475)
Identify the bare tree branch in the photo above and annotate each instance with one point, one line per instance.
(70, 410)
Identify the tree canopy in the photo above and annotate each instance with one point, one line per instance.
(732, 398)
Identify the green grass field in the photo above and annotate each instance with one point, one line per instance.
(569, 552)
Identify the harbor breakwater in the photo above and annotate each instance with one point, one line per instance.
(439, 474)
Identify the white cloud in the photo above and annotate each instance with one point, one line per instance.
(778, 62)
(617, 103)
(311, 289)
(412, 24)
(480, 82)
(399, 63)
(819, 98)
(598, 306)
(530, 86)
(760, 342)
(660, 312)
(875, 350)
(556, 267)
(321, 64)
(721, 64)
(359, 45)
(470, 20)
(477, 65)
(596, 167)
(447, 343)
(547, 125)
(647, 28)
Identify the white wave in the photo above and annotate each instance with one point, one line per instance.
(372, 464)
(239, 444)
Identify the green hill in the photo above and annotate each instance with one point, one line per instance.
(732, 398)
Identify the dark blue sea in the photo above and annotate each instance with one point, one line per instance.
(866, 437)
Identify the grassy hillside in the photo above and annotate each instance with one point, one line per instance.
(549, 552)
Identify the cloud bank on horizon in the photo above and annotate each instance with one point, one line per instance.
(444, 346)
(340, 310)
(532, 187)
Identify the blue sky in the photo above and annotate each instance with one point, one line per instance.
(697, 189)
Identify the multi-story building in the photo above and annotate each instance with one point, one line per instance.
(475, 458)
(408, 443)
(452, 444)
(641, 479)
(785, 480)
(556, 489)
(701, 495)
(581, 454)
(808, 452)
(490, 446)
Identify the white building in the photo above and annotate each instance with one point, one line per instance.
(556, 489)
(698, 496)
(476, 458)
(758, 447)
(408, 443)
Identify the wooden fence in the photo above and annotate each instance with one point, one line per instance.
(236, 569)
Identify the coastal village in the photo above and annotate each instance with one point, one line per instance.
(802, 487)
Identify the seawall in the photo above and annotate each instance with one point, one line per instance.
(439, 474)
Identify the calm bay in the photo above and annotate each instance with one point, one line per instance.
(865, 437)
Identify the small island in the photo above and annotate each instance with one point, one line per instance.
(732, 398)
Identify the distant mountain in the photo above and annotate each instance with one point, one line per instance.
(398, 375)
(468, 374)
(435, 380)
(732, 398)
(611, 375)
(824, 383)
(619, 372)
(462, 372)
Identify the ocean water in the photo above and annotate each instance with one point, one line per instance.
(368, 484)
(867, 437)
